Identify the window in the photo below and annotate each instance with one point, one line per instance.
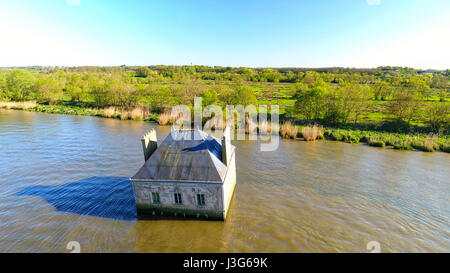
(155, 196)
(178, 199)
(201, 199)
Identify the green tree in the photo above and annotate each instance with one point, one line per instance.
(362, 102)
(440, 82)
(245, 95)
(186, 92)
(382, 90)
(76, 93)
(162, 98)
(19, 84)
(310, 102)
(48, 90)
(225, 95)
(405, 105)
(310, 77)
(121, 94)
(99, 93)
(420, 85)
(210, 97)
(143, 72)
(3, 95)
(76, 87)
(271, 75)
(247, 73)
(351, 101)
(333, 107)
(437, 114)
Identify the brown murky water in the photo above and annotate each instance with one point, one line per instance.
(64, 178)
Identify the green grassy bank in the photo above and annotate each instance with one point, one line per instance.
(399, 141)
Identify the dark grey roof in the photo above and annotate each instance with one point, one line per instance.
(185, 155)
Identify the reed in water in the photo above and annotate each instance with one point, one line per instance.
(109, 112)
(312, 133)
(288, 130)
(167, 118)
(18, 105)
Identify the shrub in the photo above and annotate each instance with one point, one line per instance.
(293, 133)
(376, 142)
(109, 112)
(288, 130)
(18, 105)
(425, 145)
(265, 127)
(311, 133)
(167, 118)
(137, 113)
(250, 126)
(403, 144)
(284, 132)
(365, 138)
(445, 147)
(337, 135)
(353, 139)
(124, 114)
(328, 133)
(164, 118)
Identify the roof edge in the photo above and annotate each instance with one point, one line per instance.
(175, 181)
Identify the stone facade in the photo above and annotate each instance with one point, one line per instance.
(189, 207)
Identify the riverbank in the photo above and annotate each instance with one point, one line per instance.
(137, 113)
(421, 142)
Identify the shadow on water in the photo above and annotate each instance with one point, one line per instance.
(108, 197)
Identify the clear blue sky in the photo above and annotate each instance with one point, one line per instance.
(254, 33)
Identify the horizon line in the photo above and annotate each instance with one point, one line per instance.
(213, 66)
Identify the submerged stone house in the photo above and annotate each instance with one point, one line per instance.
(190, 174)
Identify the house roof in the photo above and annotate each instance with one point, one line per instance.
(185, 155)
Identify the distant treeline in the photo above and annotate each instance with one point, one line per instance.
(325, 95)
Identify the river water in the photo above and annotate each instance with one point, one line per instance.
(65, 178)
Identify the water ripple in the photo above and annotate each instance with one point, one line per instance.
(64, 178)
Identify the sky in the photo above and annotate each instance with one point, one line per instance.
(251, 33)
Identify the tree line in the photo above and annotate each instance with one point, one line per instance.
(330, 95)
